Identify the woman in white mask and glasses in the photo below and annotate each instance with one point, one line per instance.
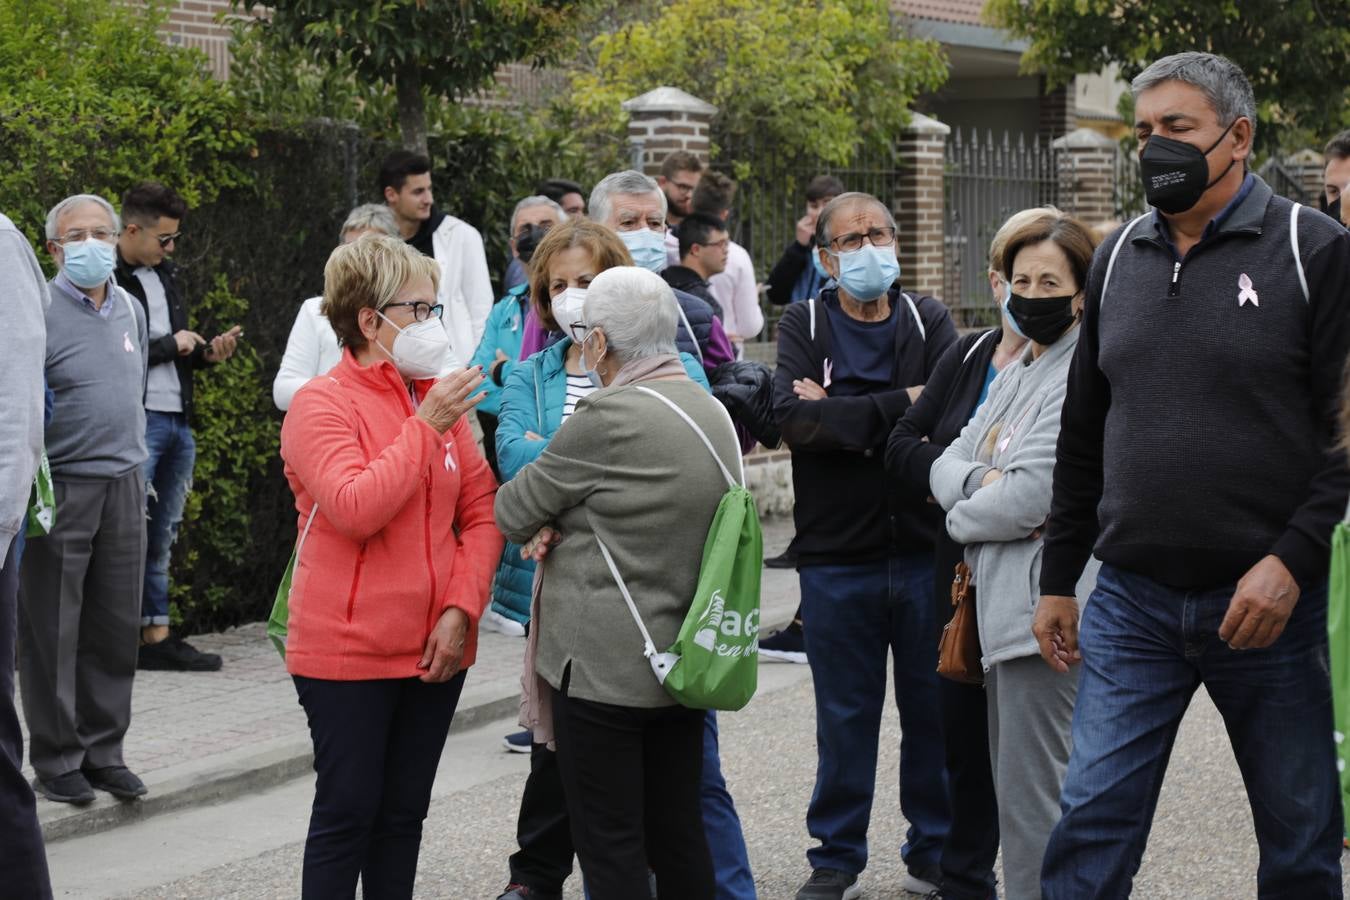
(392, 568)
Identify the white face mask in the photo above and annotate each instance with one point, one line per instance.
(420, 348)
(567, 310)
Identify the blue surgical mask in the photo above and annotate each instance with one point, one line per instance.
(590, 371)
(647, 247)
(867, 272)
(89, 263)
(820, 270)
(1012, 323)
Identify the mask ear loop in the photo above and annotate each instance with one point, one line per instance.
(1216, 143)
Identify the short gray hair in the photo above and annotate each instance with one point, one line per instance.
(370, 217)
(850, 198)
(531, 202)
(1220, 79)
(77, 200)
(630, 181)
(636, 308)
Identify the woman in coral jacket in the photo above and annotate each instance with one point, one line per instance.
(397, 552)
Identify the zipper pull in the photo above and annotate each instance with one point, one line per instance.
(1176, 274)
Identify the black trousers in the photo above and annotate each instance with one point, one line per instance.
(972, 842)
(544, 860)
(632, 780)
(23, 862)
(376, 747)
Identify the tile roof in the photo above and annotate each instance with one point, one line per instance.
(965, 12)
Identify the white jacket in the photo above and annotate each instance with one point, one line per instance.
(311, 350)
(738, 293)
(465, 288)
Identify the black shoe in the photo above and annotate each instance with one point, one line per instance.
(71, 787)
(785, 560)
(830, 884)
(523, 892)
(116, 780)
(173, 654)
(788, 645)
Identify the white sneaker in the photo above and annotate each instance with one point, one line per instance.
(495, 621)
(916, 885)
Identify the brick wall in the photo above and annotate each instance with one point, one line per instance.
(918, 205)
(1059, 110)
(1087, 160)
(193, 23)
(666, 120)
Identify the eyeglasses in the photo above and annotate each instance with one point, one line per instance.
(718, 245)
(578, 331)
(167, 239)
(84, 234)
(421, 309)
(879, 237)
(683, 188)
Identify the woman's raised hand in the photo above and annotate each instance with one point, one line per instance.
(450, 398)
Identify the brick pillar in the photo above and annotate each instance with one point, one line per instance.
(1087, 175)
(1059, 110)
(919, 204)
(665, 120)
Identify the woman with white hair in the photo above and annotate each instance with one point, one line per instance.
(312, 348)
(625, 469)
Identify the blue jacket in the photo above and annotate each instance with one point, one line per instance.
(504, 331)
(532, 400)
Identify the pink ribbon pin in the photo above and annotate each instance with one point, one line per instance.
(1246, 291)
(126, 342)
(829, 370)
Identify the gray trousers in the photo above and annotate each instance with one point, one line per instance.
(79, 624)
(1030, 712)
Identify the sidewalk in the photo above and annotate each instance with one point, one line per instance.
(203, 737)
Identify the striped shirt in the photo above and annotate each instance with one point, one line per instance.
(578, 386)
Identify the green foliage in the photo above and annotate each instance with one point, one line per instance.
(237, 437)
(92, 100)
(422, 48)
(823, 78)
(1295, 52)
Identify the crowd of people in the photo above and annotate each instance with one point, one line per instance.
(1126, 488)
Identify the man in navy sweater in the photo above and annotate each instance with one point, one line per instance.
(1196, 460)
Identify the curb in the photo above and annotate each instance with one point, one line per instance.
(221, 779)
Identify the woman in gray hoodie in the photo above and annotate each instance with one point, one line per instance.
(994, 483)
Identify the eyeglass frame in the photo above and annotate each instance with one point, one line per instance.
(889, 231)
(82, 234)
(437, 309)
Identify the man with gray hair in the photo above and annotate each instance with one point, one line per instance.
(80, 584)
(1197, 461)
(533, 214)
(23, 864)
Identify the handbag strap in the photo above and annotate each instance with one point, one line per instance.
(300, 545)
(726, 473)
(648, 648)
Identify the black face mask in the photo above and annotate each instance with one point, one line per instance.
(1176, 174)
(1041, 319)
(1334, 209)
(527, 240)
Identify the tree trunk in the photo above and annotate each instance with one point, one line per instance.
(412, 111)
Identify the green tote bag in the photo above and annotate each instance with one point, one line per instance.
(1338, 633)
(278, 623)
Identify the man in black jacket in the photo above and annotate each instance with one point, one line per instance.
(703, 253)
(1197, 460)
(151, 214)
(849, 364)
(795, 276)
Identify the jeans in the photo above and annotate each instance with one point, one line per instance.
(722, 825)
(376, 747)
(851, 616)
(1146, 648)
(168, 478)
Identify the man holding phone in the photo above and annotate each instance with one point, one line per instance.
(151, 214)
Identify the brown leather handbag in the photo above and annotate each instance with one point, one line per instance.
(959, 647)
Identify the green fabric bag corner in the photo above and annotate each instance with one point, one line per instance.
(718, 644)
(278, 622)
(41, 501)
(1338, 634)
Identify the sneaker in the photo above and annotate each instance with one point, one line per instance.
(524, 892)
(785, 560)
(788, 645)
(923, 880)
(519, 742)
(71, 787)
(830, 884)
(173, 654)
(495, 621)
(116, 780)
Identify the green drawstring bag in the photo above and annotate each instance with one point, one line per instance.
(278, 622)
(1338, 633)
(714, 662)
(41, 502)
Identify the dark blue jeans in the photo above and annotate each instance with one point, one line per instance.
(168, 478)
(1146, 648)
(852, 615)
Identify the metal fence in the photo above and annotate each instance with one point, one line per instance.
(1284, 182)
(988, 179)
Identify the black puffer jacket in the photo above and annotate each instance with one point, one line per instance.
(745, 388)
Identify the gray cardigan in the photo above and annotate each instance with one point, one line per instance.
(626, 467)
(1015, 431)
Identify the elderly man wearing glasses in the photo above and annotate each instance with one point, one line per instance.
(80, 585)
(850, 362)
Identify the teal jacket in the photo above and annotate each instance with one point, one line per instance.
(532, 399)
(504, 331)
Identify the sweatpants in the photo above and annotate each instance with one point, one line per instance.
(1030, 713)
